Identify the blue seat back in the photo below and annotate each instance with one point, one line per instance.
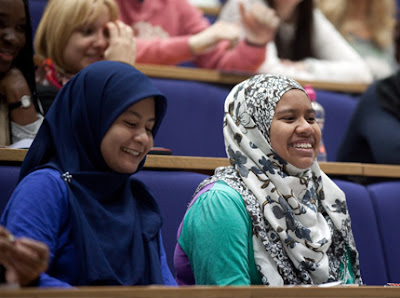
(8, 180)
(366, 233)
(385, 197)
(173, 191)
(339, 108)
(193, 122)
(36, 8)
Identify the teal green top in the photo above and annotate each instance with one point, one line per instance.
(217, 239)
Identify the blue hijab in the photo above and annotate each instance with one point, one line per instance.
(115, 221)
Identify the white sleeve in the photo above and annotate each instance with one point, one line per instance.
(230, 11)
(29, 131)
(335, 60)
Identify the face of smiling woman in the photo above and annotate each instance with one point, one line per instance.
(130, 137)
(294, 134)
(12, 31)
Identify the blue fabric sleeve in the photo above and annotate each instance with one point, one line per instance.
(165, 271)
(38, 209)
(216, 237)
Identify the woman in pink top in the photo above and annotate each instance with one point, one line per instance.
(174, 31)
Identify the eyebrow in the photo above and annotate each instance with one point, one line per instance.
(293, 111)
(140, 116)
(5, 15)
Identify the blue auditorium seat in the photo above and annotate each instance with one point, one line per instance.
(339, 108)
(36, 8)
(385, 197)
(8, 181)
(173, 190)
(193, 123)
(366, 233)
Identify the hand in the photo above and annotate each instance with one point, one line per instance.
(13, 86)
(24, 259)
(260, 23)
(207, 39)
(122, 45)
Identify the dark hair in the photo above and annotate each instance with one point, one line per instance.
(24, 60)
(396, 38)
(299, 47)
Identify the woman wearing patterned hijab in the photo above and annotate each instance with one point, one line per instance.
(272, 217)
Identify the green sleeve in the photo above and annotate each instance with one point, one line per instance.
(346, 273)
(216, 237)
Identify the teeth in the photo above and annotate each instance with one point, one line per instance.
(130, 151)
(303, 145)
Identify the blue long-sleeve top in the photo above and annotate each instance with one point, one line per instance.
(39, 209)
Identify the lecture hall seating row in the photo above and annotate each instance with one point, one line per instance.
(193, 122)
(172, 179)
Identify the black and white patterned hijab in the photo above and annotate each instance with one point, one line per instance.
(301, 225)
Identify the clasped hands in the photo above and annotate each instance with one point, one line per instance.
(24, 259)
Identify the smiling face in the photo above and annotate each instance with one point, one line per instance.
(294, 134)
(87, 43)
(130, 137)
(12, 31)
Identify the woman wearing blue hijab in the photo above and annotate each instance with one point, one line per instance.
(76, 191)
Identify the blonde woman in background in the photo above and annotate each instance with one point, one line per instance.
(73, 34)
(368, 25)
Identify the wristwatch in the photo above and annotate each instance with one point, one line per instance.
(23, 102)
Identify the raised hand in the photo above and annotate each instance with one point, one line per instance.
(260, 23)
(122, 43)
(207, 39)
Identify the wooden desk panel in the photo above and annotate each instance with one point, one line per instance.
(208, 292)
(229, 78)
(207, 165)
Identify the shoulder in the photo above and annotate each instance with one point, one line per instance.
(42, 176)
(43, 184)
(222, 194)
(40, 197)
(214, 205)
(320, 22)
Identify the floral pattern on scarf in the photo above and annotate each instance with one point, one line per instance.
(301, 225)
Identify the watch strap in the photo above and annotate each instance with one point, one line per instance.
(19, 103)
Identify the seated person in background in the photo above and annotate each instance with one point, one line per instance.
(372, 134)
(21, 260)
(19, 118)
(306, 46)
(76, 191)
(368, 25)
(73, 34)
(272, 217)
(174, 31)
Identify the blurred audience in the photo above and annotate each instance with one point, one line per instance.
(372, 135)
(174, 31)
(73, 34)
(19, 118)
(306, 45)
(368, 25)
